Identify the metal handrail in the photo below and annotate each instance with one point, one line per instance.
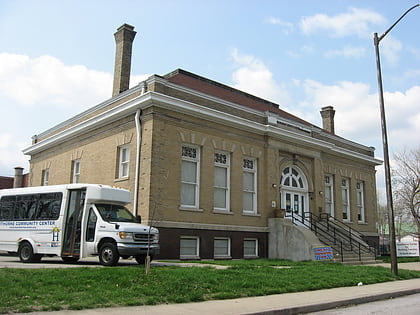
(338, 235)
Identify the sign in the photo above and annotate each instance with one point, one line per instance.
(407, 249)
(323, 253)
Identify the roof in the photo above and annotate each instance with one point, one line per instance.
(213, 88)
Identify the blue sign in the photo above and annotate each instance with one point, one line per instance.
(323, 253)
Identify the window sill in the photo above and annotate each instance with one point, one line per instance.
(251, 214)
(190, 209)
(222, 257)
(121, 179)
(187, 257)
(362, 222)
(218, 211)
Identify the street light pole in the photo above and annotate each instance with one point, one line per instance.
(390, 208)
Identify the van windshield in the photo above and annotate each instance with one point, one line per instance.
(115, 213)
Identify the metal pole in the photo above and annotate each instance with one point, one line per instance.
(376, 40)
(394, 263)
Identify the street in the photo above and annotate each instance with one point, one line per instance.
(406, 305)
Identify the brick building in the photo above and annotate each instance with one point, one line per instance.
(209, 165)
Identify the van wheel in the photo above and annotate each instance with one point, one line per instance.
(26, 253)
(141, 259)
(108, 254)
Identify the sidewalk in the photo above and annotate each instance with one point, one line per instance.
(289, 303)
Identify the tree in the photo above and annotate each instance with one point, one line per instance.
(406, 183)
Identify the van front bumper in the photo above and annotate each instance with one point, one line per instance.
(130, 249)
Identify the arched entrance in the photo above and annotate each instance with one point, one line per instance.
(294, 193)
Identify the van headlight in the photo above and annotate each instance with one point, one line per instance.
(126, 235)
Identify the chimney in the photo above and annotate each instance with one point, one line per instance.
(18, 182)
(327, 114)
(124, 41)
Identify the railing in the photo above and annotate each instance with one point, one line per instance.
(334, 233)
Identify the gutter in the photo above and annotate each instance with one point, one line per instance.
(138, 148)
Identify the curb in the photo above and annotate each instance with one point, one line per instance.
(337, 304)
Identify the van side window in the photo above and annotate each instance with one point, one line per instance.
(91, 226)
(31, 207)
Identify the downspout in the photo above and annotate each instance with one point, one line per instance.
(138, 148)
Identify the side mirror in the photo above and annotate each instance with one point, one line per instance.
(139, 218)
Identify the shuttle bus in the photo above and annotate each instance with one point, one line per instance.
(73, 221)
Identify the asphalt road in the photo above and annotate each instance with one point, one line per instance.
(406, 305)
(12, 261)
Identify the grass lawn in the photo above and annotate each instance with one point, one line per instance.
(387, 259)
(26, 290)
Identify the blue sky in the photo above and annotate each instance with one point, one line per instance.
(57, 59)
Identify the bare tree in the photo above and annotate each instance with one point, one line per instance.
(406, 183)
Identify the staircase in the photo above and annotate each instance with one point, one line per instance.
(347, 244)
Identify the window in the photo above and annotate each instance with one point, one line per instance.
(360, 202)
(222, 247)
(250, 247)
(123, 160)
(75, 178)
(45, 176)
(250, 185)
(329, 194)
(190, 176)
(31, 207)
(189, 247)
(221, 181)
(345, 197)
(91, 226)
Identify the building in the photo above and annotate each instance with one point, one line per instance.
(209, 165)
(19, 180)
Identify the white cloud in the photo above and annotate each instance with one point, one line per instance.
(357, 112)
(286, 27)
(390, 49)
(348, 52)
(354, 22)
(11, 155)
(46, 79)
(37, 93)
(253, 76)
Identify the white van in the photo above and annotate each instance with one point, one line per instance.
(73, 221)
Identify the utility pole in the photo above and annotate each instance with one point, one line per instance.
(390, 207)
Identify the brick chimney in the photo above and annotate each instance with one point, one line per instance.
(18, 181)
(327, 114)
(124, 41)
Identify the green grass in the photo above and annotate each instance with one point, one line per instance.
(387, 259)
(26, 290)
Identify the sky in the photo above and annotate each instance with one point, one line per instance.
(57, 60)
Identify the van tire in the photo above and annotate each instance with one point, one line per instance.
(108, 254)
(141, 259)
(26, 253)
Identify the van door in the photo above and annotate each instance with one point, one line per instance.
(73, 223)
(89, 246)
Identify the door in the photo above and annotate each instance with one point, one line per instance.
(294, 194)
(88, 247)
(73, 223)
(294, 204)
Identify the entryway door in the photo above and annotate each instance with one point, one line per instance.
(294, 194)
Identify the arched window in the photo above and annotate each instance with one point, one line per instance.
(291, 177)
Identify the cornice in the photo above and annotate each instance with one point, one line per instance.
(302, 135)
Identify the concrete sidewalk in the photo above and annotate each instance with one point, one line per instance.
(289, 303)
